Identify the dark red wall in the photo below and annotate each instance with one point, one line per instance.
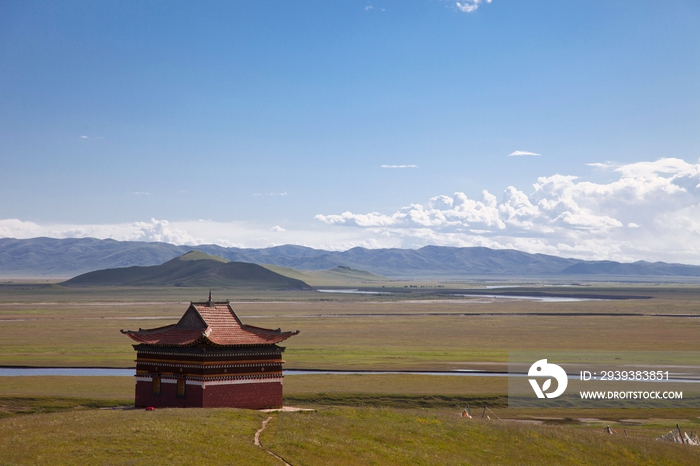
(249, 396)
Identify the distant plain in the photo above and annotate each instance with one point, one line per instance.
(414, 329)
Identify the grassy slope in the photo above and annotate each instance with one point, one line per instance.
(331, 436)
(384, 436)
(354, 274)
(306, 277)
(133, 437)
(195, 255)
(339, 276)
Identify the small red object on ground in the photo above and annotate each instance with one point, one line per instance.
(150, 408)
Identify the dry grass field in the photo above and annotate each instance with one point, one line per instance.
(418, 331)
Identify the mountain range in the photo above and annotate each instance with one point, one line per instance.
(49, 257)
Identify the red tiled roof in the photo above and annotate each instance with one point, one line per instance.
(209, 323)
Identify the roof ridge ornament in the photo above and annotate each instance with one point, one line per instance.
(209, 302)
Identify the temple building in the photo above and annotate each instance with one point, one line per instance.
(209, 359)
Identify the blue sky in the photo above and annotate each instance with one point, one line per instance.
(356, 123)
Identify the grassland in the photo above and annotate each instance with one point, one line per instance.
(328, 436)
(350, 436)
(394, 419)
(133, 437)
(360, 419)
(51, 326)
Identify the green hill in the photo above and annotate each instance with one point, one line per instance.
(307, 277)
(349, 273)
(192, 269)
(198, 256)
(337, 276)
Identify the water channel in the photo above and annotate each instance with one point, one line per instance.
(107, 372)
(543, 299)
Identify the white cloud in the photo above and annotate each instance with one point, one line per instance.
(84, 137)
(269, 194)
(677, 168)
(523, 153)
(15, 228)
(199, 231)
(162, 231)
(399, 166)
(369, 7)
(651, 211)
(468, 6)
(155, 230)
(605, 165)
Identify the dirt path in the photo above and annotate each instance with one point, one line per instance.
(258, 444)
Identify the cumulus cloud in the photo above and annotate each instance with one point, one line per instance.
(469, 6)
(646, 211)
(161, 231)
(523, 153)
(399, 166)
(200, 231)
(154, 230)
(15, 228)
(652, 211)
